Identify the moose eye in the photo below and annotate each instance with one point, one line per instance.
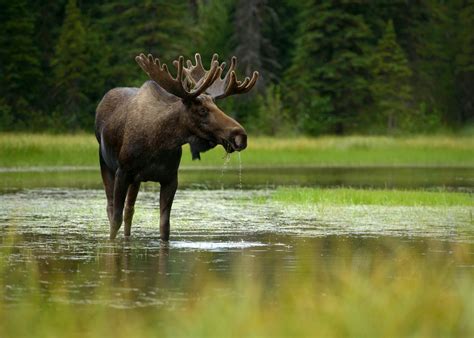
(203, 111)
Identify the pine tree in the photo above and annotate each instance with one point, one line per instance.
(434, 49)
(20, 71)
(215, 28)
(465, 64)
(163, 28)
(326, 86)
(70, 65)
(271, 116)
(390, 86)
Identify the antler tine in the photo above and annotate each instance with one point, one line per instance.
(197, 72)
(229, 85)
(248, 83)
(209, 78)
(209, 81)
(160, 74)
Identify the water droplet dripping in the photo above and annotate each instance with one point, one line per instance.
(240, 172)
(224, 168)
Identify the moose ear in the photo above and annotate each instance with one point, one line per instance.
(199, 146)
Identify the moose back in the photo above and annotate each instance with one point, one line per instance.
(141, 130)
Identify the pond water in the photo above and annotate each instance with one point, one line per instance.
(60, 231)
(257, 177)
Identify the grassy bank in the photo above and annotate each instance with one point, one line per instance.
(32, 150)
(396, 293)
(348, 196)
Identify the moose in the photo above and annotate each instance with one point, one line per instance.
(141, 130)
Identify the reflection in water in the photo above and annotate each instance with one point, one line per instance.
(56, 239)
(252, 178)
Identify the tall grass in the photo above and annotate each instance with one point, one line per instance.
(18, 150)
(395, 293)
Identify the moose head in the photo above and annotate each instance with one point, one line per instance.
(141, 130)
(198, 89)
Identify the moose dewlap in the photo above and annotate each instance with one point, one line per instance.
(141, 130)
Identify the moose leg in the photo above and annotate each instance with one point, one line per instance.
(120, 192)
(130, 207)
(108, 179)
(167, 191)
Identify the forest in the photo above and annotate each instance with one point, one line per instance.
(327, 67)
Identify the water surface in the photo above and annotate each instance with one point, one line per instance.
(61, 233)
(258, 177)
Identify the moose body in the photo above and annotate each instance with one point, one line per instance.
(141, 130)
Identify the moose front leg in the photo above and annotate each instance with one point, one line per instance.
(120, 192)
(130, 207)
(167, 191)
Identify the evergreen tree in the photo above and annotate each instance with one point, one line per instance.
(215, 28)
(163, 28)
(465, 64)
(271, 116)
(327, 83)
(80, 67)
(282, 32)
(390, 86)
(314, 50)
(434, 50)
(20, 71)
(70, 63)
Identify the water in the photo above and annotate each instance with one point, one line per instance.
(63, 234)
(224, 168)
(259, 177)
(240, 171)
(55, 223)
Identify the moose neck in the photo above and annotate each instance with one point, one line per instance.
(169, 126)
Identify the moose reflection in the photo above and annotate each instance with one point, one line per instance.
(141, 130)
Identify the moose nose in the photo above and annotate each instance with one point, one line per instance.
(240, 141)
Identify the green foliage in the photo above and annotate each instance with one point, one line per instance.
(390, 86)
(465, 62)
(437, 85)
(162, 28)
(330, 66)
(58, 58)
(6, 116)
(20, 72)
(271, 117)
(70, 64)
(215, 28)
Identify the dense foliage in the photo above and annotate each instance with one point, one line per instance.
(326, 66)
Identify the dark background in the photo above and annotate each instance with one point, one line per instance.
(371, 67)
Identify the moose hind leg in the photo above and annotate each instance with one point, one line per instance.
(108, 180)
(120, 192)
(167, 191)
(130, 207)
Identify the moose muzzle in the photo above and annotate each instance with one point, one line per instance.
(238, 139)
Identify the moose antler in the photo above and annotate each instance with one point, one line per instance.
(220, 87)
(196, 72)
(161, 75)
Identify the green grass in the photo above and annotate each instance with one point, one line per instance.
(350, 196)
(27, 150)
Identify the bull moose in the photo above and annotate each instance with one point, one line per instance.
(141, 130)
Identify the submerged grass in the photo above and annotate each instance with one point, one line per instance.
(385, 197)
(19, 150)
(396, 293)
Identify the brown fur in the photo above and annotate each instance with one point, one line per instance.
(140, 132)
